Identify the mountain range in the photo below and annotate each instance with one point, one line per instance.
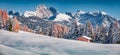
(50, 13)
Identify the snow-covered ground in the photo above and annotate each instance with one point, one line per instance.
(62, 17)
(24, 43)
(4, 50)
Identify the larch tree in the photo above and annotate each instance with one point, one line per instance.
(59, 30)
(16, 25)
(25, 28)
(5, 17)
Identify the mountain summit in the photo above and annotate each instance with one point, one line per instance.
(97, 12)
(41, 11)
(97, 18)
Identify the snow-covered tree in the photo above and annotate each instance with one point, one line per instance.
(114, 32)
(76, 30)
(97, 33)
(103, 35)
(9, 25)
(89, 30)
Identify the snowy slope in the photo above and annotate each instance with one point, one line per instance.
(5, 50)
(29, 13)
(44, 45)
(62, 17)
(97, 12)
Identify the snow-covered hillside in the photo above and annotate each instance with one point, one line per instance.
(24, 43)
(62, 17)
(5, 50)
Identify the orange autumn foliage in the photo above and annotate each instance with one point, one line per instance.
(59, 30)
(16, 25)
(65, 29)
(4, 16)
(0, 13)
(25, 28)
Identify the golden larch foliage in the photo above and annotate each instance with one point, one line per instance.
(25, 28)
(4, 16)
(59, 30)
(16, 25)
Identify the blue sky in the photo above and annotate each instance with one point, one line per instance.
(111, 7)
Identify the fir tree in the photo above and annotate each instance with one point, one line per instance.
(90, 30)
(10, 26)
(76, 30)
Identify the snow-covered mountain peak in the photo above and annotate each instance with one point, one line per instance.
(40, 7)
(62, 17)
(102, 12)
(80, 12)
(97, 12)
(29, 13)
(97, 18)
(41, 11)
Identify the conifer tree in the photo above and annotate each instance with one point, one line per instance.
(90, 30)
(76, 32)
(16, 25)
(10, 25)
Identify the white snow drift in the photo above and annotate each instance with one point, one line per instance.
(62, 17)
(24, 43)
